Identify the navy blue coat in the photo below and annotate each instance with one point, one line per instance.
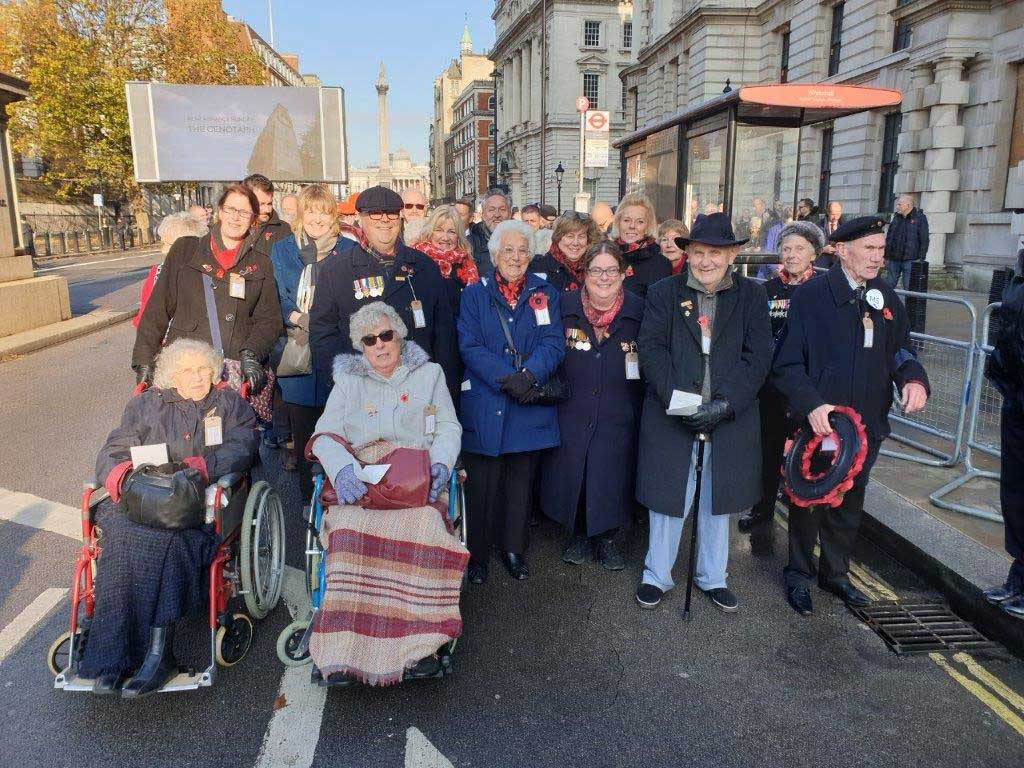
(598, 424)
(288, 265)
(907, 237)
(413, 276)
(492, 422)
(822, 359)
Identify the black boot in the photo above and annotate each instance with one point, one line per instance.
(110, 682)
(158, 667)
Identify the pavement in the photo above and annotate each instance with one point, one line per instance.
(561, 670)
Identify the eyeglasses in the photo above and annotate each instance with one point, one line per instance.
(384, 215)
(202, 372)
(607, 271)
(371, 340)
(417, 206)
(237, 213)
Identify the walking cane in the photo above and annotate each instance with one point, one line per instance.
(698, 469)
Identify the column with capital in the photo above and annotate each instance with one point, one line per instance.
(383, 158)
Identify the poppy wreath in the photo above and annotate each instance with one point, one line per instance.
(806, 488)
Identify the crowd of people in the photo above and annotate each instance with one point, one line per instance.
(542, 353)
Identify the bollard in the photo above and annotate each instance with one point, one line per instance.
(63, 243)
(78, 242)
(916, 307)
(120, 237)
(49, 250)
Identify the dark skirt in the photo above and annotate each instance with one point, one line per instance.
(146, 577)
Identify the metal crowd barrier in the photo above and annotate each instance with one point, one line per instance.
(982, 431)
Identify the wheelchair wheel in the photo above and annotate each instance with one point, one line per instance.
(58, 657)
(262, 550)
(288, 645)
(233, 641)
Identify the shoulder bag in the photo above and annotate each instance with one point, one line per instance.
(555, 390)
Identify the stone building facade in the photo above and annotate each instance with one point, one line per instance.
(471, 160)
(402, 173)
(547, 53)
(956, 143)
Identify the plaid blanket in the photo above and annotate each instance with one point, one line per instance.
(392, 597)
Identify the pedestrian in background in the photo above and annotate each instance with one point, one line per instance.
(290, 209)
(564, 265)
(636, 230)
(496, 208)
(588, 482)
(414, 213)
(504, 431)
(668, 231)
(268, 227)
(466, 207)
(905, 242)
(603, 216)
(172, 227)
(829, 223)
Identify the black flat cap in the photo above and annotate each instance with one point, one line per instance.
(713, 229)
(379, 199)
(857, 228)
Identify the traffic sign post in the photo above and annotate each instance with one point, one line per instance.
(582, 105)
(597, 141)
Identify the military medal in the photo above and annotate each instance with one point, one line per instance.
(358, 286)
(376, 286)
(874, 299)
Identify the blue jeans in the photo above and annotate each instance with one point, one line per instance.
(899, 273)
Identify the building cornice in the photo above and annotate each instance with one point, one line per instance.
(917, 11)
(695, 17)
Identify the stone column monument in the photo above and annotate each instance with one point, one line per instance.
(26, 302)
(384, 161)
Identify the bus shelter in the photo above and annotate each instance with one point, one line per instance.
(739, 153)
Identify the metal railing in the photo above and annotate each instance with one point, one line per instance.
(47, 244)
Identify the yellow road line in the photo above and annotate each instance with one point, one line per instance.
(993, 682)
(981, 693)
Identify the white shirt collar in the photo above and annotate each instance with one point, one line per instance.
(853, 283)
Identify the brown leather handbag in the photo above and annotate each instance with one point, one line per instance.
(406, 484)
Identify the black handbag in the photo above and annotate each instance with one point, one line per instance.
(171, 497)
(554, 391)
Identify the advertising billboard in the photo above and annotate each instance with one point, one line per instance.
(225, 132)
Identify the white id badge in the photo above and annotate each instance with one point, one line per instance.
(213, 431)
(869, 332)
(236, 286)
(632, 366)
(430, 420)
(543, 317)
(705, 344)
(418, 318)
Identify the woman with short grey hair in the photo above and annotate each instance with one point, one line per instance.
(175, 355)
(501, 232)
(366, 318)
(181, 224)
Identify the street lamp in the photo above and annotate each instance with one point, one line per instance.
(559, 173)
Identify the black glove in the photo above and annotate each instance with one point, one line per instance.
(143, 373)
(517, 384)
(708, 415)
(252, 371)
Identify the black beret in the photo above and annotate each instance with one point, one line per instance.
(379, 199)
(855, 229)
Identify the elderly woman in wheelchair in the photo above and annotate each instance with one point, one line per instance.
(158, 553)
(386, 594)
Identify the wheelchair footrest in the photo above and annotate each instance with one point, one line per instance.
(183, 681)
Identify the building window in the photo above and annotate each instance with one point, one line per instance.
(491, 130)
(625, 96)
(591, 33)
(627, 34)
(835, 39)
(890, 162)
(492, 103)
(825, 176)
(591, 88)
(490, 156)
(784, 58)
(901, 36)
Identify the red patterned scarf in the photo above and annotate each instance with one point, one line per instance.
(789, 279)
(226, 257)
(630, 247)
(574, 268)
(462, 262)
(509, 290)
(600, 319)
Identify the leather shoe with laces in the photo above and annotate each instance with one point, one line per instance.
(515, 565)
(1001, 594)
(577, 550)
(108, 683)
(609, 556)
(1015, 607)
(846, 592)
(799, 599)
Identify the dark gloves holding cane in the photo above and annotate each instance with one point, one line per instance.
(439, 475)
(144, 374)
(252, 371)
(708, 415)
(518, 385)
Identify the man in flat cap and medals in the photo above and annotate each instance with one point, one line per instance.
(846, 343)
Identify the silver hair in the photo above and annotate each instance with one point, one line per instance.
(366, 317)
(808, 231)
(512, 225)
(495, 193)
(175, 225)
(169, 360)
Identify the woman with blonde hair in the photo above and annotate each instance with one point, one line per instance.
(443, 239)
(668, 231)
(636, 230)
(563, 264)
(296, 262)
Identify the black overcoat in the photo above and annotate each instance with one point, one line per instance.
(177, 306)
(598, 424)
(414, 276)
(670, 358)
(547, 267)
(822, 358)
(644, 267)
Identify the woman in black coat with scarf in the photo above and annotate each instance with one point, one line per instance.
(564, 264)
(587, 482)
(635, 231)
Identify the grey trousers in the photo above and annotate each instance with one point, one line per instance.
(712, 537)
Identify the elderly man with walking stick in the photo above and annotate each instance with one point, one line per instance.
(705, 338)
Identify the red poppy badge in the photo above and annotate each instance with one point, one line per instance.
(629, 271)
(887, 313)
(539, 301)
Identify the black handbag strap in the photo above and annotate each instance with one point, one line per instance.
(518, 359)
(211, 314)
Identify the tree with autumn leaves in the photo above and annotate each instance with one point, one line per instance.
(78, 54)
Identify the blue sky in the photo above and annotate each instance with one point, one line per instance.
(344, 42)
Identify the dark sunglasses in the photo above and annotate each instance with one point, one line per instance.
(371, 340)
(417, 206)
(571, 215)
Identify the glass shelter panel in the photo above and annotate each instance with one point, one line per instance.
(662, 171)
(705, 174)
(764, 182)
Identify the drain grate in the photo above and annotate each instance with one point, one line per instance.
(921, 627)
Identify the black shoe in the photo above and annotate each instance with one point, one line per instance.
(1015, 607)
(846, 592)
(477, 571)
(608, 555)
(799, 599)
(649, 596)
(271, 440)
(998, 595)
(108, 683)
(762, 540)
(723, 599)
(515, 565)
(751, 521)
(428, 667)
(158, 667)
(577, 550)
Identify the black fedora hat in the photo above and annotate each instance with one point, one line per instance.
(711, 229)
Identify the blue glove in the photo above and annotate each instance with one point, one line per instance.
(439, 475)
(347, 487)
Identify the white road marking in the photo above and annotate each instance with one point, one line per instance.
(26, 509)
(93, 263)
(420, 753)
(12, 635)
(294, 729)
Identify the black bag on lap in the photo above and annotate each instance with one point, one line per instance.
(171, 496)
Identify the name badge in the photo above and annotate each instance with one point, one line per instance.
(632, 366)
(869, 332)
(539, 304)
(418, 318)
(429, 419)
(466, 385)
(236, 286)
(213, 431)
